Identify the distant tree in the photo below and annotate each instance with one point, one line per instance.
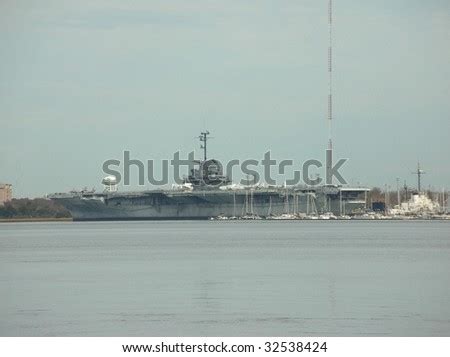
(33, 208)
(376, 195)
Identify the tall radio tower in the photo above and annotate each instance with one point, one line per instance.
(329, 158)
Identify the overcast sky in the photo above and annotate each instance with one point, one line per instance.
(81, 81)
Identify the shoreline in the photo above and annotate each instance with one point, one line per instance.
(69, 219)
(35, 219)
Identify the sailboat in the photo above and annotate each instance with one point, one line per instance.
(286, 215)
(269, 212)
(297, 213)
(311, 210)
(249, 213)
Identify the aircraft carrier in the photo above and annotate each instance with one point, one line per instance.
(206, 193)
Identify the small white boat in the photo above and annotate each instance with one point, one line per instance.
(285, 216)
(327, 216)
(311, 216)
(250, 217)
(344, 217)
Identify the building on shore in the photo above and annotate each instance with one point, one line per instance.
(5, 193)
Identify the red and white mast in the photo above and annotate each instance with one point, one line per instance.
(330, 94)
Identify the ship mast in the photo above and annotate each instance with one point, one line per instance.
(203, 139)
(419, 172)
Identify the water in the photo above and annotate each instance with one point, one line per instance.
(336, 278)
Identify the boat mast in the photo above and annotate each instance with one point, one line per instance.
(246, 202)
(386, 199)
(443, 199)
(286, 203)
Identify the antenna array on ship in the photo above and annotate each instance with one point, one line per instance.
(204, 139)
(419, 172)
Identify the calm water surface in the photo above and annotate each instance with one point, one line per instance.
(225, 278)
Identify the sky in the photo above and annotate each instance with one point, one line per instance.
(82, 81)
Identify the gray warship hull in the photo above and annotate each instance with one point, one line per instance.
(206, 204)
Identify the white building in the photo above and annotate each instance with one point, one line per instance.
(5, 193)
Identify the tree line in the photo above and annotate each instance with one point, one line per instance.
(33, 208)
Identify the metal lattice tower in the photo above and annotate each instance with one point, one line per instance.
(330, 91)
(330, 72)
